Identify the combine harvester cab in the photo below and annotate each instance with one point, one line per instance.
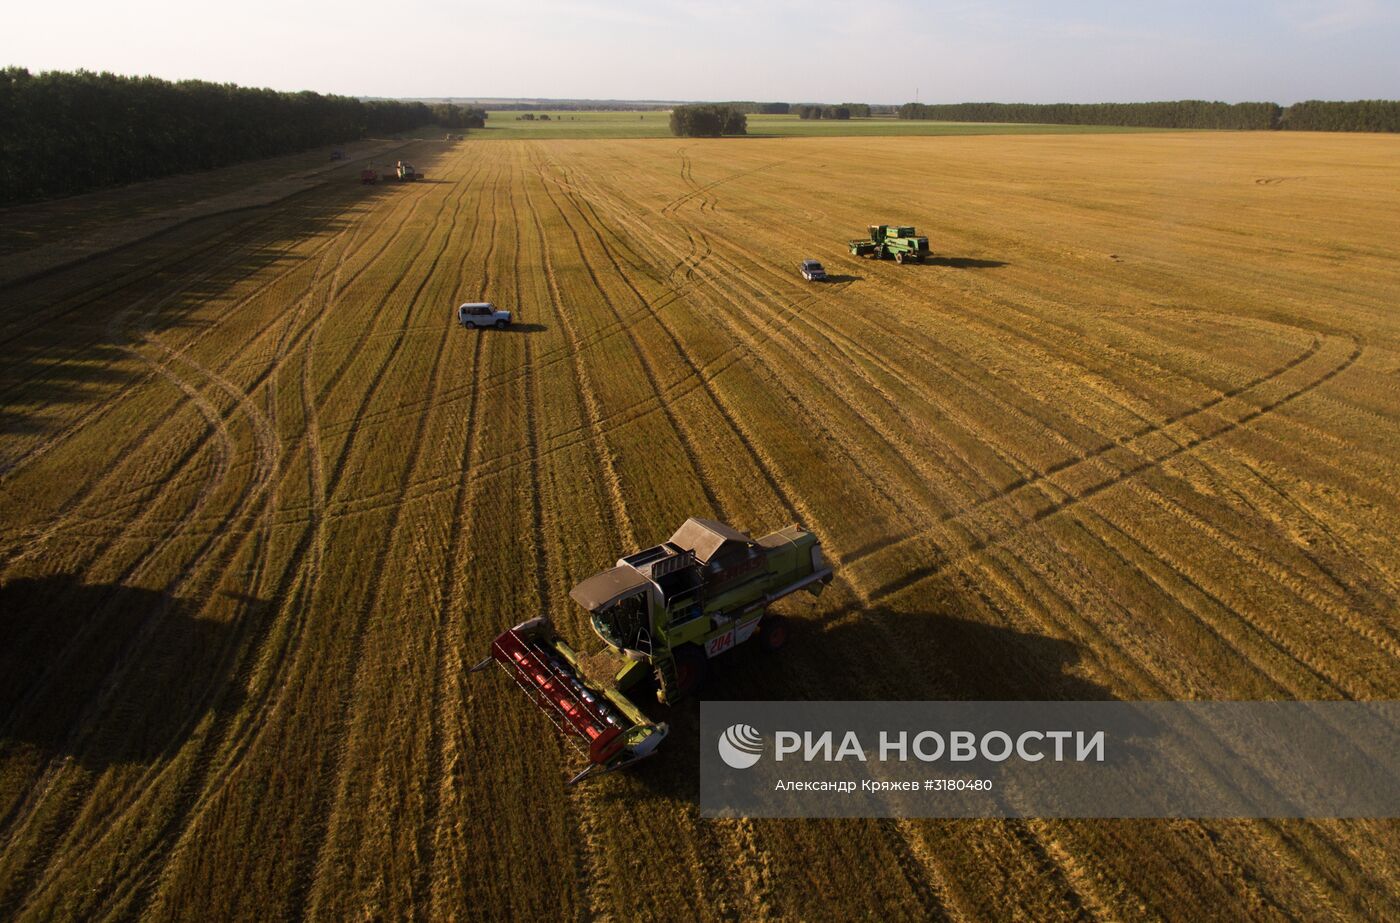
(662, 613)
(886, 240)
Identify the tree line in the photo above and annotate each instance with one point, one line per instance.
(451, 115)
(708, 120)
(752, 108)
(1360, 115)
(805, 111)
(73, 132)
(1363, 115)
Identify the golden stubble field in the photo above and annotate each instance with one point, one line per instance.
(1133, 435)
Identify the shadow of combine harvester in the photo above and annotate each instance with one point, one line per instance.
(883, 654)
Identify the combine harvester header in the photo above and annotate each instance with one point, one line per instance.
(662, 613)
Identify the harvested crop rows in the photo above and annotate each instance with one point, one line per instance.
(1131, 435)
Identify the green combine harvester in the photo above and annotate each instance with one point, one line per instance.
(888, 240)
(662, 613)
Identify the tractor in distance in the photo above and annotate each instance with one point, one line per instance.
(369, 176)
(662, 614)
(888, 240)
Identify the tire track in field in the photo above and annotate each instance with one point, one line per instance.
(591, 871)
(1301, 653)
(138, 275)
(1132, 535)
(762, 463)
(255, 385)
(447, 661)
(1336, 606)
(707, 850)
(312, 872)
(548, 358)
(619, 522)
(132, 572)
(1343, 546)
(1337, 609)
(1146, 685)
(1068, 346)
(907, 835)
(694, 246)
(103, 485)
(911, 457)
(683, 434)
(311, 333)
(117, 333)
(891, 370)
(172, 289)
(701, 191)
(495, 466)
(267, 444)
(214, 421)
(178, 528)
(763, 335)
(1124, 475)
(197, 784)
(934, 879)
(259, 230)
(266, 214)
(214, 737)
(906, 845)
(822, 422)
(819, 341)
(216, 573)
(299, 576)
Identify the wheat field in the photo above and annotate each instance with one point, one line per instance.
(1133, 434)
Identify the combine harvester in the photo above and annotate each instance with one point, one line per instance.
(888, 240)
(406, 172)
(663, 613)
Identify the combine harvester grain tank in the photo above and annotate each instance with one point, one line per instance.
(662, 613)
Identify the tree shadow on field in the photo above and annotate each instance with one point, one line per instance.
(109, 674)
(879, 654)
(64, 332)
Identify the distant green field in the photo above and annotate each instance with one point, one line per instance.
(506, 124)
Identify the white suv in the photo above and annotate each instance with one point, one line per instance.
(475, 314)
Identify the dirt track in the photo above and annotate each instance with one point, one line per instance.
(1132, 435)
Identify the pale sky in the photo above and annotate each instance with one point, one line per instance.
(815, 50)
